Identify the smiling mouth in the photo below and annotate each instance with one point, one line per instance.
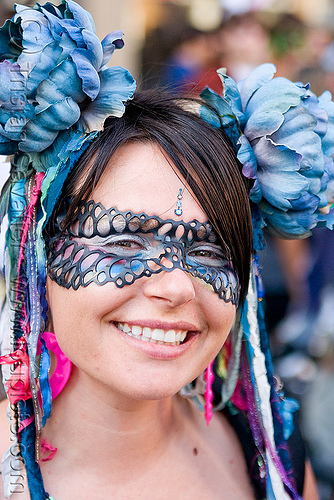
(154, 335)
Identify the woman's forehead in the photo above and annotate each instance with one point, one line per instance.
(140, 178)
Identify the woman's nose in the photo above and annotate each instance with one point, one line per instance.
(175, 287)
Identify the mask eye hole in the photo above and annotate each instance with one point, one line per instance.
(164, 228)
(134, 224)
(179, 231)
(97, 211)
(201, 232)
(149, 225)
(137, 267)
(88, 226)
(119, 223)
(103, 225)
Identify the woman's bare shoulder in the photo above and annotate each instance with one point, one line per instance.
(4, 427)
(5, 441)
(4, 435)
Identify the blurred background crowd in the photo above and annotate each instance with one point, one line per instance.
(179, 44)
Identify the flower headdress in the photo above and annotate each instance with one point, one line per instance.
(284, 138)
(55, 93)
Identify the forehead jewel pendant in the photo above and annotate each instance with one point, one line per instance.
(178, 209)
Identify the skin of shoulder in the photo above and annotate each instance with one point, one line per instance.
(4, 436)
(310, 486)
(4, 426)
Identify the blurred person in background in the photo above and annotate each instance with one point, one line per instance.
(244, 44)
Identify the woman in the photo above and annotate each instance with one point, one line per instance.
(146, 227)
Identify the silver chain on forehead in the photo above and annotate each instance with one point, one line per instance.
(72, 263)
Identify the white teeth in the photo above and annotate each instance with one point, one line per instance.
(155, 336)
(170, 336)
(136, 330)
(158, 334)
(147, 332)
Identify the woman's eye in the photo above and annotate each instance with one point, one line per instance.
(125, 244)
(203, 253)
(208, 256)
(124, 247)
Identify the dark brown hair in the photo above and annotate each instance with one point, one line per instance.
(201, 154)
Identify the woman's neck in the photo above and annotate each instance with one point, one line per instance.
(91, 424)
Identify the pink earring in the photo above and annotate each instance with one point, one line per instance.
(208, 395)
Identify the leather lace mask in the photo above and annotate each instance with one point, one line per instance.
(106, 245)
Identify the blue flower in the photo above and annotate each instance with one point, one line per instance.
(53, 76)
(284, 138)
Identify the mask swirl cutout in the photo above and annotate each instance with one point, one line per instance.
(106, 245)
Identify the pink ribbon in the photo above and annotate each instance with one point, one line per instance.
(18, 385)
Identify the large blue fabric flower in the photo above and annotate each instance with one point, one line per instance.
(53, 76)
(284, 138)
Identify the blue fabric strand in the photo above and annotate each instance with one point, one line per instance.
(44, 382)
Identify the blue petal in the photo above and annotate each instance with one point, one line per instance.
(87, 73)
(10, 40)
(74, 30)
(297, 133)
(228, 119)
(326, 103)
(275, 158)
(54, 16)
(247, 158)
(13, 127)
(277, 173)
(117, 87)
(93, 48)
(314, 182)
(63, 81)
(111, 42)
(255, 193)
(326, 220)
(57, 11)
(67, 45)
(311, 103)
(290, 225)
(7, 147)
(12, 85)
(260, 76)
(13, 104)
(81, 16)
(265, 109)
(40, 133)
(280, 188)
(88, 61)
(306, 201)
(36, 35)
(329, 170)
(231, 95)
(48, 60)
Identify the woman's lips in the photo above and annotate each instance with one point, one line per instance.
(157, 340)
(154, 335)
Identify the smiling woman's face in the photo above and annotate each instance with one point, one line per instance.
(148, 339)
